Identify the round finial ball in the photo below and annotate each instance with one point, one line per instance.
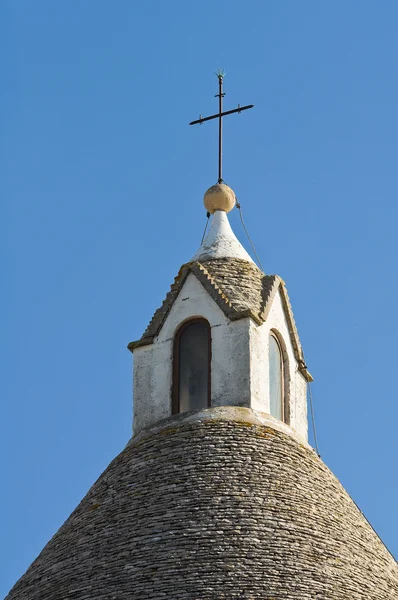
(219, 197)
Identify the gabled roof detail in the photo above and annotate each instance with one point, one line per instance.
(240, 290)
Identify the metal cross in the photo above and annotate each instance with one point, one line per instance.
(220, 74)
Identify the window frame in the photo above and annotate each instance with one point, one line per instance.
(283, 371)
(175, 394)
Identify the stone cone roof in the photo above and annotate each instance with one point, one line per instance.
(223, 503)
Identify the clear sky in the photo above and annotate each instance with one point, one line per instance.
(101, 189)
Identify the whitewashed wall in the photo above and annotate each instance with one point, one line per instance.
(295, 384)
(230, 366)
(239, 368)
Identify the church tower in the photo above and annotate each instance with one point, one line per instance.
(218, 493)
(224, 336)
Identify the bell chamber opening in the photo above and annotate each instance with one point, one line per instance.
(192, 367)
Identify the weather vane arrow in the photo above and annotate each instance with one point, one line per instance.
(220, 74)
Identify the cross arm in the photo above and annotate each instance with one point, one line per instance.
(223, 114)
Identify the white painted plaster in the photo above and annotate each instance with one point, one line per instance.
(230, 369)
(221, 241)
(295, 384)
(239, 366)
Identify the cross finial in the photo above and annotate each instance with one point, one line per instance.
(220, 75)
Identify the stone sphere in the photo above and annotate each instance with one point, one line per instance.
(219, 197)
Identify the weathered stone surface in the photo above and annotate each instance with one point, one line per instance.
(210, 505)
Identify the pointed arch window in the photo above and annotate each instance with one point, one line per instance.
(276, 379)
(191, 366)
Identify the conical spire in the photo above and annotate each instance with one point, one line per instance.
(221, 241)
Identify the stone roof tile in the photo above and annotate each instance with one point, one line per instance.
(222, 503)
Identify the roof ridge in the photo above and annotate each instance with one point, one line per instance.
(267, 298)
(212, 280)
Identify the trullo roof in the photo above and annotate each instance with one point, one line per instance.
(222, 503)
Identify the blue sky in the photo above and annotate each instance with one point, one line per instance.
(102, 186)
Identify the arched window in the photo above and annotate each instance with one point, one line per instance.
(191, 366)
(276, 379)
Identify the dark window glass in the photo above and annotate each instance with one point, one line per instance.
(193, 376)
(275, 379)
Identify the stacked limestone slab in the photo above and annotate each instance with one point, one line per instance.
(224, 503)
